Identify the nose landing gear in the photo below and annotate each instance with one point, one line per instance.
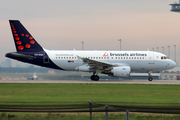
(150, 78)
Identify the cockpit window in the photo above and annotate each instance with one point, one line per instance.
(164, 57)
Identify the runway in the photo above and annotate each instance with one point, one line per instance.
(160, 82)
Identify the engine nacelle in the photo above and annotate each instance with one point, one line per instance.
(123, 71)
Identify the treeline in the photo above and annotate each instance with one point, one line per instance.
(25, 70)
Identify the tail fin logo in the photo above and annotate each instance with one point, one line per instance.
(24, 41)
(19, 42)
(20, 47)
(18, 39)
(32, 41)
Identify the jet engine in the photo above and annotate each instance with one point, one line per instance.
(123, 71)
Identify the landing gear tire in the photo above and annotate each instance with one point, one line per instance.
(150, 78)
(94, 77)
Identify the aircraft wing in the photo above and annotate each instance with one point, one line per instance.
(98, 64)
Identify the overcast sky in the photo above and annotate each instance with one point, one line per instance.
(63, 24)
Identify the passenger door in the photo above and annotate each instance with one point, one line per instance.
(151, 58)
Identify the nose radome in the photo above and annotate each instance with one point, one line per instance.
(173, 64)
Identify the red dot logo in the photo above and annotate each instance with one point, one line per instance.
(14, 31)
(20, 47)
(19, 42)
(22, 34)
(31, 38)
(28, 46)
(17, 38)
(32, 41)
(27, 35)
(15, 34)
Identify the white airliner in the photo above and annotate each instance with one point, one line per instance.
(112, 63)
(34, 77)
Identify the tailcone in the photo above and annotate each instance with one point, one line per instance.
(8, 55)
(17, 56)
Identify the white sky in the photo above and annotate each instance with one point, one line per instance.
(63, 24)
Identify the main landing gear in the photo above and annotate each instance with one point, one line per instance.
(94, 77)
(150, 78)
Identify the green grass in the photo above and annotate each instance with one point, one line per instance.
(117, 94)
(80, 93)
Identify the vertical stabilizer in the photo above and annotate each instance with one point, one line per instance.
(23, 40)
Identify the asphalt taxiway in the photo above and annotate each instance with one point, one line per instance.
(162, 82)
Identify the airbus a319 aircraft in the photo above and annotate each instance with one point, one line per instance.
(112, 63)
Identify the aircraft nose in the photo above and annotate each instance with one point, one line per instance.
(173, 64)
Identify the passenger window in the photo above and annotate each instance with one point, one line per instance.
(107, 57)
(111, 57)
(162, 57)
